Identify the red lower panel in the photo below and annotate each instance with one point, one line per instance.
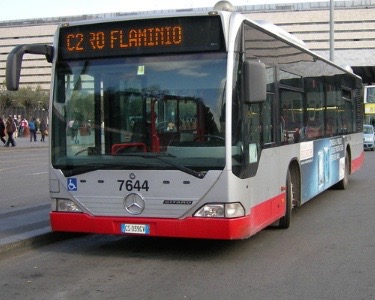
(239, 228)
(358, 162)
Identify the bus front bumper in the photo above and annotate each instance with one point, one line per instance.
(207, 228)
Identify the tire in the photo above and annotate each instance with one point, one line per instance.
(284, 221)
(343, 183)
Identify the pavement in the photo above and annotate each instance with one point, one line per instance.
(26, 227)
(24, 142)
(23, 228)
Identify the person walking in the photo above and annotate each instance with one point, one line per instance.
(23, 125)
(15, 134)
(10, 128)
(33, 128)
(42, 128)
(73, 127)
(2, 130)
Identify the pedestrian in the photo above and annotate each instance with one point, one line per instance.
(10, 128)
(15, 134)
(33, 128)
(2, 130)
(73, 127)
(23, 125)
(43, 129)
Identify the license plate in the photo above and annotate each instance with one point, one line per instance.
(135, 228)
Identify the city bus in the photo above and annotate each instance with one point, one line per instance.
(199, 124)
(369, 100)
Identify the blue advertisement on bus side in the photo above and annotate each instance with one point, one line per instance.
(322, 165)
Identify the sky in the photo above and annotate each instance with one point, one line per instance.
(31, 9)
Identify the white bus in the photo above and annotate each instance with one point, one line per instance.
(192, 124)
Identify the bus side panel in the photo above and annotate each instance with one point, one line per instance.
(268, 212)
(357, 162)
(357, 151)
(322, 165)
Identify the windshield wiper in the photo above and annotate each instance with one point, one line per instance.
(72, 171)
(184, 169)
(69, 170)
(187, 170)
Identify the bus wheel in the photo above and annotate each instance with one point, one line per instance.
(284, 222)
(343, 183)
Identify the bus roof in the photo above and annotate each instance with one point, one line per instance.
(227, 13)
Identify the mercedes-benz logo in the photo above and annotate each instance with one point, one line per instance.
(134, 204)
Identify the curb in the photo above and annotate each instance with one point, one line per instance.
(32, 240)
(24, 240)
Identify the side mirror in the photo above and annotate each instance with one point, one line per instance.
(14, 62)
(255, 82)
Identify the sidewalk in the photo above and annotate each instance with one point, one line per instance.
(24, 142)
(24, 227)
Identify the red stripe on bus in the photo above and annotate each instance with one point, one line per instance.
(358, 162)
(260, 217)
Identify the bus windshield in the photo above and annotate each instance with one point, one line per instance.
(127, 113)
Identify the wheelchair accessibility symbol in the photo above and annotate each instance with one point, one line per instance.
(72, 184)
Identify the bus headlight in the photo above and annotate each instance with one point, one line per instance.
(67, 206)
(221, 210)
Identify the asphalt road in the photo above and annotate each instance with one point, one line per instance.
(327, 253)
(24, 174)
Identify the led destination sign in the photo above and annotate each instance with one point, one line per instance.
(187, 34)
(141, 37)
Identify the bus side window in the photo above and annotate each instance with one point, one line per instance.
(291, 118)
(254, 131)
(267, 137)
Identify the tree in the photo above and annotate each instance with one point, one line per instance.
(25, 97)
(5, 100)
(80, 105)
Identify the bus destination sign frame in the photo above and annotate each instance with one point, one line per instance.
(140, 37)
